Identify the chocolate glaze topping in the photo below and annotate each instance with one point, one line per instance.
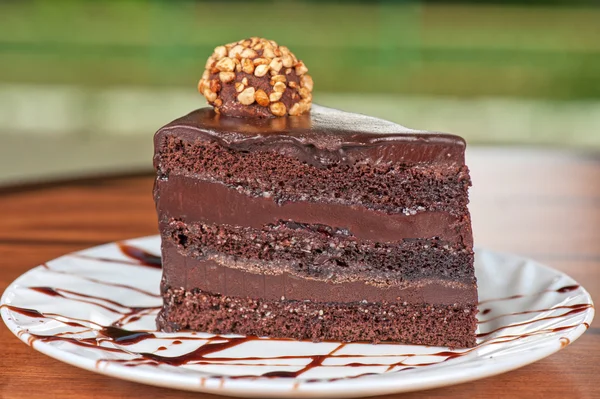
(320, 138)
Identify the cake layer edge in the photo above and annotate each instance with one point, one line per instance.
(423, 324)
(211, 276)
(208, 202)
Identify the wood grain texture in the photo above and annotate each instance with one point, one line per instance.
(542, 204)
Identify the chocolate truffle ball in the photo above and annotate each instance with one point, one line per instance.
(256, 78)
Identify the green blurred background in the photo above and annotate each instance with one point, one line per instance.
(84, 84)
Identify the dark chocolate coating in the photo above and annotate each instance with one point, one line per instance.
(319, 138)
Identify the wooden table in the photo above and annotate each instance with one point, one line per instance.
(538, 203)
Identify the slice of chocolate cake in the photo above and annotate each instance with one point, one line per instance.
(316, 225)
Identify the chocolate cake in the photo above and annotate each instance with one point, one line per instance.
(300, 221)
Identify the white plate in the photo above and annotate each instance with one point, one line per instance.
(527, 311)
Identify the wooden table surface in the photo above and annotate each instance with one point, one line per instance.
(538, 203)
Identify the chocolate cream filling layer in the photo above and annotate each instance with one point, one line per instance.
(194, 200)
(212, 276)
(321, 253)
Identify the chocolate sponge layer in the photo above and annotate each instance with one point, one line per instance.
(424, 324)
(394, 188)
(322, 252)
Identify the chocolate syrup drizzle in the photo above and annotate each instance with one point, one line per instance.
(139, 257)
(120, 338)
(94, 280)
(143, 257)
(561, 290)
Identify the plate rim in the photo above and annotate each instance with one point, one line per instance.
(385, 383)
